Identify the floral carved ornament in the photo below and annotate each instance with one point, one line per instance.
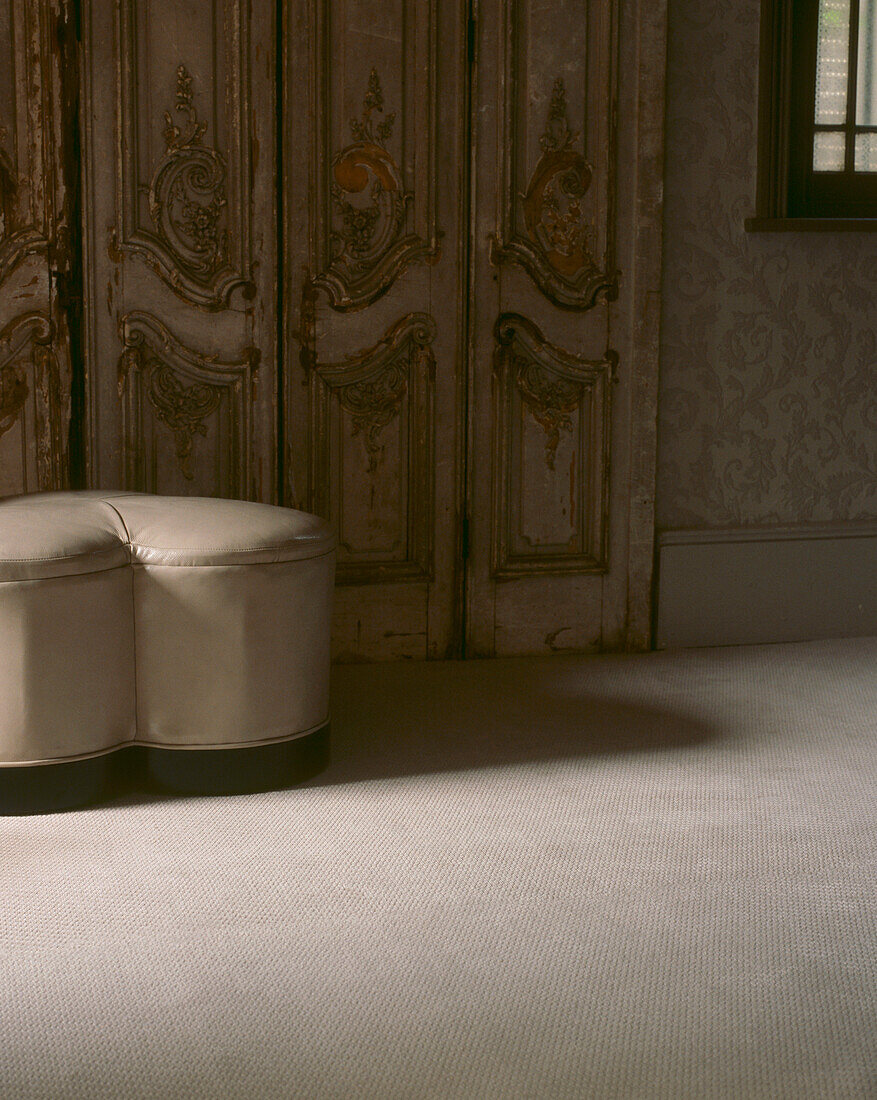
(187, 193)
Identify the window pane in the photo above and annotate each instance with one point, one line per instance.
(828, 152)
(866, 153)
(832, 61)
(866, 90)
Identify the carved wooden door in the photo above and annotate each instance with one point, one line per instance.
(375, 266)
(449, 225)
(35, 259)
(180, 246)
(472, 263)
(567, 122)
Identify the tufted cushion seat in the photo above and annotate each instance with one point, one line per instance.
(192, 632)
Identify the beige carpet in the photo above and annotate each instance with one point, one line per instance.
(631, 877)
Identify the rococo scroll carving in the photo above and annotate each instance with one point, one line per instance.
(184, 390)
(392, 382)
(551, 381)
(550, 399)
(367, 224)
(372, 384)
(555, 224)
(565, 394)
(373, 404)
(23, 231)
(21, 335)
(553, 207)
(182, 408)
(194, 230)
(369, 200)
(558, 249)
(187, 194)
(365, 168)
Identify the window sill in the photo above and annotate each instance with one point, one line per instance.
(810, 225)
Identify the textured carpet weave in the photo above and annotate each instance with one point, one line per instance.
(619, 877)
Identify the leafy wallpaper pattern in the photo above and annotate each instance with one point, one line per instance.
(768, 392)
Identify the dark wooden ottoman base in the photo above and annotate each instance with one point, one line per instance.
(49, 788)
(235, 771)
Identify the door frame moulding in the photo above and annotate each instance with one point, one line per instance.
(608, 307)
(649, 64)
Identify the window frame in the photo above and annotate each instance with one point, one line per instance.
(788, 190)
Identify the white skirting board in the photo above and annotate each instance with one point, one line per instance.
(755, 585)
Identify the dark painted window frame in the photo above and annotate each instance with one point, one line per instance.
(790, 196)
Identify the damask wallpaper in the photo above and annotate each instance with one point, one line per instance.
(768, 394)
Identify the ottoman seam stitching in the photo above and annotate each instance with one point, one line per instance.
(121, 519)
(212, 746)
(73, 557)
(217, 550)
(64, 576)
(221, 549)
(133, 617)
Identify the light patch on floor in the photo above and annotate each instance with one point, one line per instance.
(631, 877)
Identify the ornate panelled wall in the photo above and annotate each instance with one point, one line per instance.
(180, 246)
(375, 247)
(567, 123)
(395, 262)
(545, 270)
(35, 253)
(472, 245)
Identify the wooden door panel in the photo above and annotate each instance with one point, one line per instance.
(373, 242)
(554, 368)
(35, 363)
(556, 66)
(465, 251)
(374, 87)
(552, 420)
(180, 248)
(372, 414)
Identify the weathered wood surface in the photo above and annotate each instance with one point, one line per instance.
(374, 303)
(35, 260)
(456, 210)
(567, 140)
(180, 246)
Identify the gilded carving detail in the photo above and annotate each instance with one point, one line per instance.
(187, 393)
(568, 396)
(187, 193)
(557, 222)
(373, 396)
(183, 409)
(360, 396)
(553, 209)
(30, 374)
(374, 403)
(550, 399)
(367, 191)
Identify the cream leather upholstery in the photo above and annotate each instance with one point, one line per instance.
(182, 623)
(231, 620)
(66, 631)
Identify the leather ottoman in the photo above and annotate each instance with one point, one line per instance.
(192, 633)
